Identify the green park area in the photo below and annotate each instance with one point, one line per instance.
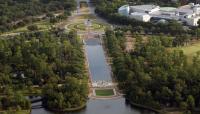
(81, 26)
(190, 50)
(15, 112)
(104, 92)
(87, 16)
(31, 91)
(42, 25)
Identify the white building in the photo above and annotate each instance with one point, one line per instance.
(193, 21)
(189, 14)
(124, 10)
(140, 16)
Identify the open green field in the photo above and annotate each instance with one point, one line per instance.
(104, 92)
(86, 16)
(190, 50)
(15, 112)
(81, 26)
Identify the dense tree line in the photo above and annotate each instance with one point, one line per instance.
(72, 94)
(44, 58)
(15, 13)
(153, 75)
(14, 101)
(40, 57)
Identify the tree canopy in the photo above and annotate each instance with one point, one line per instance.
(52, 60)
(15, 13)
(153, 75)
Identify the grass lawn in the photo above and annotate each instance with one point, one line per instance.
(27, 91)
(87, 16)
(104, 92)
(42, 25)
(31, 91)
(23, 112)
(176, 112)
(94, 26)
(15, 112)
(190, 50)
(81, 26)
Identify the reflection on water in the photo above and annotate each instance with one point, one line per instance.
(114, 106)
(97, 61)
(99, 71)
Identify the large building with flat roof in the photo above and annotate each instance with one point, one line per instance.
(188, 14)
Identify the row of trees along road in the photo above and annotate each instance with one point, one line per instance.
(45, 59)
(153, 75)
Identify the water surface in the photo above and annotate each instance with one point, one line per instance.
(99, 69)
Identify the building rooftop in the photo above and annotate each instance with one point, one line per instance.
(145, 7)
(168, 9)
(188, 9)
(185, 9)
(138, 13)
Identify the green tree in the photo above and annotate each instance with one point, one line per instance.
(183, 105)
(32, 27)
(190, 102)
